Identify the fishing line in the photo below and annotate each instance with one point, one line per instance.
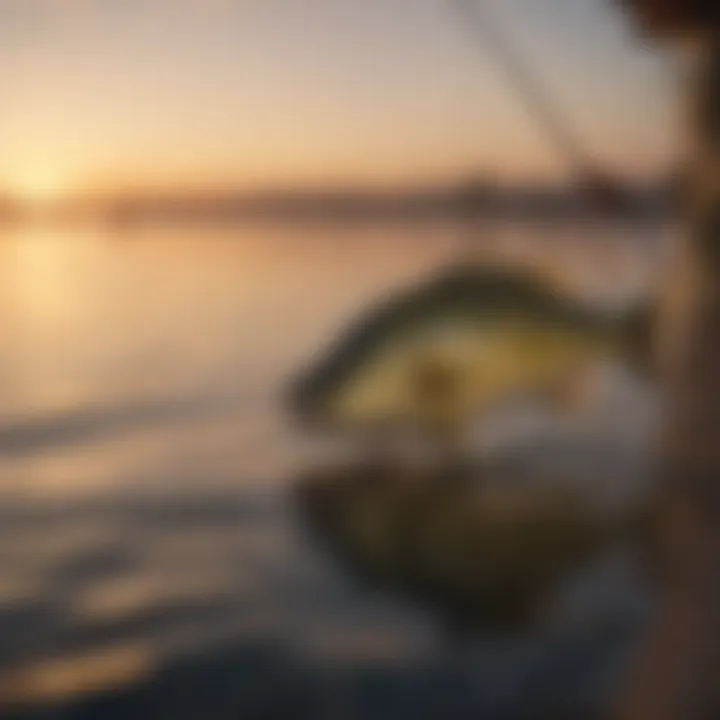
(473, 18)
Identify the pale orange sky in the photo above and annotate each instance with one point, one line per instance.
(119, 94)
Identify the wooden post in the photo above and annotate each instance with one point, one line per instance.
(677, 676)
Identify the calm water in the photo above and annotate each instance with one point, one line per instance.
(145, 459)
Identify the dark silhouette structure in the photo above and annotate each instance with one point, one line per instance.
(678, 673)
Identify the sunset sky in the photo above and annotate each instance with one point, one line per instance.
(120, 94)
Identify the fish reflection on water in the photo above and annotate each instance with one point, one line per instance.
(485, 556)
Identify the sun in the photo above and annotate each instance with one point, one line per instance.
(39, 190)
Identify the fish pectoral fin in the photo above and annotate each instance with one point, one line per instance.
(573, 391)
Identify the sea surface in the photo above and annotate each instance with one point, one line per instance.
(152, 560)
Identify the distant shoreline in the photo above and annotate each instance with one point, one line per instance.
(459, 202)
(443, 204)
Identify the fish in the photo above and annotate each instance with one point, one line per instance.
(457, 345)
